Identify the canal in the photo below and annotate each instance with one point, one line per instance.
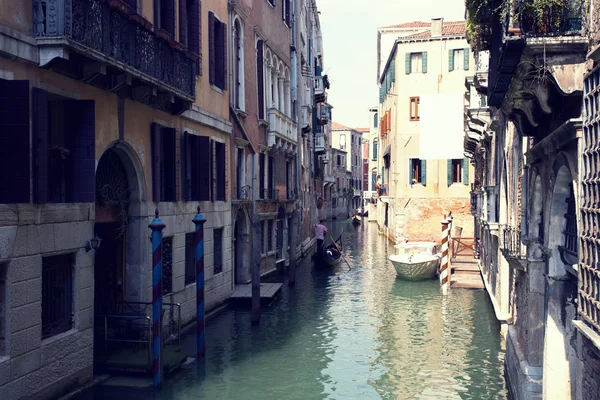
(344, 334)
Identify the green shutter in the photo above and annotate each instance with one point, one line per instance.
(393, 70)
(449, 172)
(410, 171)
(424, 54)
(450, 60)
(381, 94)
(407, 63)
(467, 53)
(424, 172)
(465, 171)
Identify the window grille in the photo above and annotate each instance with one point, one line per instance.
(57, 294)
(218, 247)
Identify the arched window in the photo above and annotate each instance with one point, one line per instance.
(238, 66)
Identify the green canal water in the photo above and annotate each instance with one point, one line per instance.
(358, 334)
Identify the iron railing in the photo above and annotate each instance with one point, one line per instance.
(511, 242)
(57, 295)
(269, 194)
(101, 28)
(244, 193)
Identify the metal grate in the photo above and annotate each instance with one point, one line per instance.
(57, 294)
(589, 273)
(571, 224)
(218, 247)
(190, 258)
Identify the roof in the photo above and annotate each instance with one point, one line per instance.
(412, 24)
(452, 28)
(364, 130)
(339, 127)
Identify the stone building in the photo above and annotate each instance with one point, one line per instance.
(350, 140)
(110, 110)
(422, 172)
(340, 198)
(533, 173)
(371, 155)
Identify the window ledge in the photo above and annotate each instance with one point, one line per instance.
(271, 4)
(216, 88)
(271, 253)
(587, 332)
(59, 336)
(263, 122)
(241, 113)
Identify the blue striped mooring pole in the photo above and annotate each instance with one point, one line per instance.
(199, 221)
(157, 368)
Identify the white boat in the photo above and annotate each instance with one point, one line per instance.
(416, 261)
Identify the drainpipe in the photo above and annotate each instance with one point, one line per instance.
(295, 90)
(255, 247)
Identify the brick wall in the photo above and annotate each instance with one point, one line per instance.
(591, 370)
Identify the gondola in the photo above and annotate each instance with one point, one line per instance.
(331, 256)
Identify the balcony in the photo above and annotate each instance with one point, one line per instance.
(511, 247)
(319, 89)
(306, 119)
(382, 190)
(111, 47)
(282, 131)
(482, 67)
(269, 194)
(324, 120)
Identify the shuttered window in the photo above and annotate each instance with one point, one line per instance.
(415, 63)
(260, 79)
(196, 155)
(189, 27)
(458, 171)
(415, 102)
(286, 12)
(218, 249)
(14, 141)
(458, 59)
(220, 166)
(164, 160)
(261, 178)
(217, 37)
(164, 16)
(64, 145)
(417, 171)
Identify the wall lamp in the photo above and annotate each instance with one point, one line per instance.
(93, 244)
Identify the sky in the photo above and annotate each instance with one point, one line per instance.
(350, 47)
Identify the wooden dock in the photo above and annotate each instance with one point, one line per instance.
(268, 292)
(465, 273)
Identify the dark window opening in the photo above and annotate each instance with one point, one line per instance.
(240, 173)
(414, 108)
(190, 258)
(196, 167)
(189, 27)
(271, 172)
(217, 37)
(456, 171)
(571, 224)
(270, 235)
(57, 294)
(164, 16)
(167, 265)
(3, 308)
(260, 79)
(261, 167)
(218, 248)
(164, 175)
(238, 67)
(416, 171)
(221, 184)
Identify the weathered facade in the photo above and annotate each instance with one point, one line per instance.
(416, 189)
(526, 145)
(349, 140)
(123, 108)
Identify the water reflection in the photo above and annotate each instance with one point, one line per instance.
(359, 334)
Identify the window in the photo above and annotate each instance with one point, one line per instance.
(14, 142)
(260, 74)
(271, 173)
(339, 160)
(164, 174)
(414, 108)
(220, 172)
(217, 56)
(167, 265)
(286, 10)
(261, 175)
(190, 258)
(262, 237)
(416, 63)
(289, 232)
(375, 120)
(57, 294)
(3, 308)
(270, 235)
(238, 66)
(418, 171)
(375, 150)
(271, 2)
(189, 27)
(197, 160)
(342, 141)
(218, 248)
(164, 16)
(458, 59)
(64, 145)
(240, 173)
(373, 181)
(458, 171)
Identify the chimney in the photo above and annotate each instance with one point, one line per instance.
(436, 27)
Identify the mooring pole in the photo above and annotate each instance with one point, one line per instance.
(157, 288)
(199, 221)
(444, 272)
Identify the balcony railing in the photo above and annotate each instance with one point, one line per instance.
(269, 194)
(319, 143)
(114, 36)
(561, 19)
(282, 129)
(382, 190)
(512, 248)
(244, 193)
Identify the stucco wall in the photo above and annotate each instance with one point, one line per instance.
(16, 14)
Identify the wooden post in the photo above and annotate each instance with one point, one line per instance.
(199, 221)
(157, 288)
(444, 271)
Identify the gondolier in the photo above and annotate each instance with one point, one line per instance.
(320, 231)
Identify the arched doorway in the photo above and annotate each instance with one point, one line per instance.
(242, 248)
(559, 355)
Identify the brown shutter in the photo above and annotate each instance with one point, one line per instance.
(199, 13)
(178, 164)
(186, 179)
(204, 169)
(224, 56)
(184, 24)
(260, 76)
(14, 141)
(169, 15)
(83, 123)
(220, 158)
(156, 162)
(211, 47)
(40, 137)
(169, 164)
(194, 30)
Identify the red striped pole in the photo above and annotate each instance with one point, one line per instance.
(157, 371)
(444, 271)
(199, 221)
